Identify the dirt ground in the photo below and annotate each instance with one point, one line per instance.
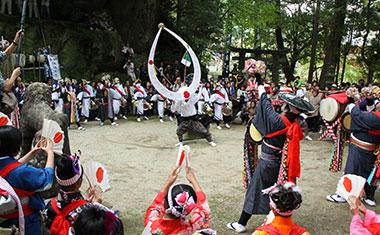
(139, 157)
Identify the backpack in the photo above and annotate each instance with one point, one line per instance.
(60, 224)
(271, 229)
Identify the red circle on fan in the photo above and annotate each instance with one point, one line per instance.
(150, 62)
(99, 174)
(347, 184)
(4, 121)
(186, 94)
(58, 137)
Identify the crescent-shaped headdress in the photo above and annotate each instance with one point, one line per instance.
(182, 94)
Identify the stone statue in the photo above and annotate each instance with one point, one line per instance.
(37, 107)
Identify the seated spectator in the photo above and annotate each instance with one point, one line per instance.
(62, 211)
(284, 199)
(25, 179)
(371, 224)
(97, 219)
(178, 209)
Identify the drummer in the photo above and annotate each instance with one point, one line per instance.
(364, 145)
(219, 100)
(275, 128)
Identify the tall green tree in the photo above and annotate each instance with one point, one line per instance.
(333, 42)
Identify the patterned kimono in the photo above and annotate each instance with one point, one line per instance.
(199, 218)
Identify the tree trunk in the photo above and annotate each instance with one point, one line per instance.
(337, 69)
(371, 72)
(284, 60)
(346, 51)
(180, 6)
(280, 46)
(314, 41)
(333, 42)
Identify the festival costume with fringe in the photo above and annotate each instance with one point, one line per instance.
(365, 127)
(279, 160)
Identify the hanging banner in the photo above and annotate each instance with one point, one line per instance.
(54, 67)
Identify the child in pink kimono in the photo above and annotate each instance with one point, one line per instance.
(371, 224)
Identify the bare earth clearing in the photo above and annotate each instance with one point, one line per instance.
(139, 157)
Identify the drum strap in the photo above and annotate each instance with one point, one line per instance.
(220, 93)
(117, 89)
(87, 91)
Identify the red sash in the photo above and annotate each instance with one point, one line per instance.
(220, 93)
(283, 131)
(271, 229)
(139, 90)
(375, 132)
(117, 89)
(87, 91)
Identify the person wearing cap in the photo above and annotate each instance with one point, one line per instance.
(178, 208)
(284, 199)
(363, 152)
(139, 96)
(279, 160)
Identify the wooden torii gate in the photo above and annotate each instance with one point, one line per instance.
(273, 63)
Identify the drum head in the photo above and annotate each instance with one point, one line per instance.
(227, 111)
(329, 109)
(346, 121)
(255, 134)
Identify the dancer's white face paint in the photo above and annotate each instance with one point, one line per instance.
(180, 95)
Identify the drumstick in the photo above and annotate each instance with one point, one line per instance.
(163, 76)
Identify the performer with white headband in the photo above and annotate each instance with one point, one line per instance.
(219, 100)
(85, 96)
(284, 199)
(139, 96)
(119, 96)
(160, 105)
(185, 98)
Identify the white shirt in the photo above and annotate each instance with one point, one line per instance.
(187, 108)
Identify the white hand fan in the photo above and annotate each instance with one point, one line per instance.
(53, 131)
(350, 185)
(183, 155)
(4, 120)
(97, 175)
